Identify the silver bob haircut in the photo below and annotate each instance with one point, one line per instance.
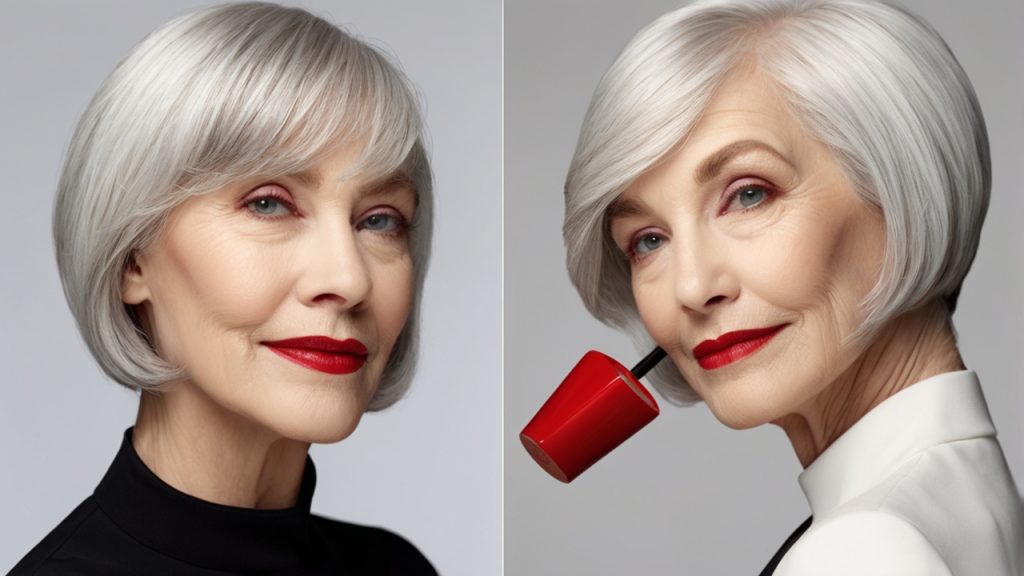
(873, 82)
(212, 97)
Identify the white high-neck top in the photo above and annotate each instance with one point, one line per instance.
(918, 486)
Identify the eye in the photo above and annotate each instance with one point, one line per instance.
(270, 202)
(644, 243)
(268, 206)
(647, 243)
(385, 221)
(748, 196)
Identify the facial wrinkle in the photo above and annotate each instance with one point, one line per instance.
(911, 348)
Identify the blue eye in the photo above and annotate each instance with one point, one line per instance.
(647, 243)
(381, 222)
(267, 206)
(750, 196)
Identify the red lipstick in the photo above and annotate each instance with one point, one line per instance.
(732, 346)
(322, 353)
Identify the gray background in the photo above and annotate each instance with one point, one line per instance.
(688, 495)
(429, 468)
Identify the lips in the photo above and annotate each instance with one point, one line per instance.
(322, 353)
(732, 346)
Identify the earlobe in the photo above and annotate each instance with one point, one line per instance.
(133, 286)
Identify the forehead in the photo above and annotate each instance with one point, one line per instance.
(747, 108)
(351, 167)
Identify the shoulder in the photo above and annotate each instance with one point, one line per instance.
(50, 550)
(868, 543)
(376, 550)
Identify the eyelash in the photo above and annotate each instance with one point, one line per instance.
(743, 185)
(276, 197)
(632, 254)
(747, 184)
(402, 225)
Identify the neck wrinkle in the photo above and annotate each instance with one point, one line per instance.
(197, 447)
(913, 347)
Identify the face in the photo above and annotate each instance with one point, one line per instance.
(750, 254)
(282, 299)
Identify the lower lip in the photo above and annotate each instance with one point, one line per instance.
(322, 361)
(734, 352)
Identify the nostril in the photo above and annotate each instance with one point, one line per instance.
(329, 296)
(714, 300)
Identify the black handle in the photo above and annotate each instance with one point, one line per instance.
(649, 361)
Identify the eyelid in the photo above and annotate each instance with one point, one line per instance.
(381, 208)
(272, 191)
(402, 224)
(740, 184)
(631, 252)
(275, 191)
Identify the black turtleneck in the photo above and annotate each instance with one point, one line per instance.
(135, 523)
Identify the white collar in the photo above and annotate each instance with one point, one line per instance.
(940, 409)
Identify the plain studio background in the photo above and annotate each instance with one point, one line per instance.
(429, 467)
(688, 495)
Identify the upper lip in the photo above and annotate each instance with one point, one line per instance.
(323, 344)
(730, 339)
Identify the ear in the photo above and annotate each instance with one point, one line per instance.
(134, 289)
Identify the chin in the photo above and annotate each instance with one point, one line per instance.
(320, 422)
(318, 430)
(738, 418)
(741, 405)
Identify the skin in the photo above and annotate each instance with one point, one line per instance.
(322, 256)
(770, 239)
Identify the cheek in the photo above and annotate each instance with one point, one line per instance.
(213, 285)
(818, 270)
(790, 267)
(391, 299)
(821, 259)
(654, 292)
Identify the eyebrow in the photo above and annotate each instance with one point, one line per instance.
(314, 179)
(620, 208)
(390, 183)
(706, 171)
(712, 166)
(308, 178)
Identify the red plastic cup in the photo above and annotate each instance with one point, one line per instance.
(597, 407)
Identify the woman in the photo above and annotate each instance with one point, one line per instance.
(242, 230)
(786, 197)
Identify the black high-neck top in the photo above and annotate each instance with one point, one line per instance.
(135, 523)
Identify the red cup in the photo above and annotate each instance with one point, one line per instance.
(597, 407)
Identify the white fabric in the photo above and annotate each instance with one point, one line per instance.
(918, 486)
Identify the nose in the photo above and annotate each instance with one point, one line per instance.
(704, 276)
(333, 269)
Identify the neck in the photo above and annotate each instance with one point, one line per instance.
(911, 348)
(201, 449)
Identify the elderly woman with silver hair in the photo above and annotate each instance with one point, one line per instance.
(786, 196)
(242, 230)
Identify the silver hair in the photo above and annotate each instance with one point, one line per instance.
(871, 80)
(209, 98)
